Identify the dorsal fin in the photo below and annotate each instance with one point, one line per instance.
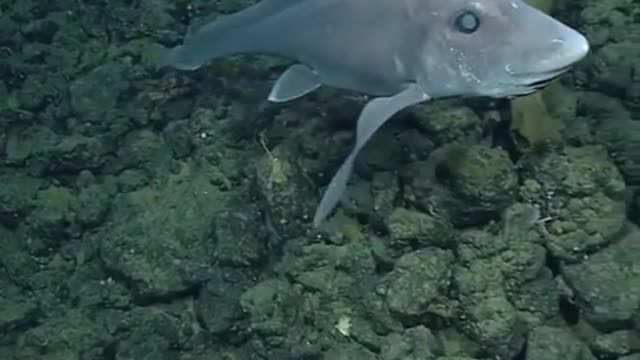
(252, 14)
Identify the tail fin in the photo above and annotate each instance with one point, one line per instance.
(176, 57)
(225, 35)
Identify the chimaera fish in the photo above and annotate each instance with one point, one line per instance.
(398, 52)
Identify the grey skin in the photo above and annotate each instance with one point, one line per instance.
(399, 52)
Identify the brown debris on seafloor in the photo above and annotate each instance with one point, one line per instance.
(531, 123)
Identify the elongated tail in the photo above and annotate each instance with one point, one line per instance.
(226, 35)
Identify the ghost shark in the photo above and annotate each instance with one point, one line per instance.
(398, 52)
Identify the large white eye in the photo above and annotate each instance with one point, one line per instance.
(467, 22)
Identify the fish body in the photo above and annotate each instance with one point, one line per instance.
(370, 70)
(399, 52)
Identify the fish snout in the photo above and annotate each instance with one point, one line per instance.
(564, 51)
(573, 48)
(554, 57)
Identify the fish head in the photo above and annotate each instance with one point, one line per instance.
(494, 48)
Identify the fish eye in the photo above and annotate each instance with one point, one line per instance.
(467, 22)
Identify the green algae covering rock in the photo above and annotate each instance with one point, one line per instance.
(217, 304)
(580, 194)
(16, 313)
(412, 228)
(17, 197)
(607, 284)
(492, 321)
(284, 187)
(96, 94)
(621, 136)
(468, 185)
(417, 281)
(448, 121)
(160, 240)
(242, 241)
(497, 272)
(331, 268)
(272, 307)
(556, 343)
(616, 344)
(413, 344)
(482, 175)
(66, 336)
(349, 351)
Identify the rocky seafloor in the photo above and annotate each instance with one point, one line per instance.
(150, 214)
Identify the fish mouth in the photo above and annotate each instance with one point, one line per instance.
(520, 84)
(530, 82)
(540, 84)
(541, 79)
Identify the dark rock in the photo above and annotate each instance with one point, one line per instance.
(285, 189)
(408, 227)
(416, 343)
(68, 336)
(179, 136)
(417, 281)
(242, 239)
(616, 344)
(218, 306)
(580, 194)
(349, 351)
(555, 343)
(607, 284)
(469, 185)
(17, 197)
(160, 239)
(95, 95)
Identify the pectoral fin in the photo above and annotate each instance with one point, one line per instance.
(298, 80)
(374, 114)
